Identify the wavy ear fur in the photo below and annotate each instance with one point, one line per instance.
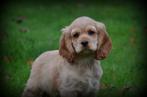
(104, 42)
(66, 48)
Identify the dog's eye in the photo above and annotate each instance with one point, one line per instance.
(76, 35)
(91, 32)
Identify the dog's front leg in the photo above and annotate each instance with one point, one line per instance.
(66, 93)
(31, 93)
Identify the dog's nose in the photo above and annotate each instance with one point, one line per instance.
(84, 43)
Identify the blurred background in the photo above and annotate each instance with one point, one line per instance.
(29, 28)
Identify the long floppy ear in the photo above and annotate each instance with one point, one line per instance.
(66, 48)
(104, 42)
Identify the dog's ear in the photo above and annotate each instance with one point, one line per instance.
(104, 42)
(66, 48)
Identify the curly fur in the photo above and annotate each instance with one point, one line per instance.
(74, 70)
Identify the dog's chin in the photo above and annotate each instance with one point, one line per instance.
(86, 51)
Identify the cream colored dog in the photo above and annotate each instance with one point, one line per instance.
(74, 70)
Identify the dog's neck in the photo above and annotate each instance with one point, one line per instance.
(84, 59)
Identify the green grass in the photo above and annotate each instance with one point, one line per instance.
(43, 22)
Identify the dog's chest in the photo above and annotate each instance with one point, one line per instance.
(79, 79)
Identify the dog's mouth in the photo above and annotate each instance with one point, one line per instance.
(86, 51)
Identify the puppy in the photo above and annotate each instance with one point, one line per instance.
(74, 70)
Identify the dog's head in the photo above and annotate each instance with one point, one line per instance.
(85, 36)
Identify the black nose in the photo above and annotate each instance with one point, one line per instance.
(84, 43)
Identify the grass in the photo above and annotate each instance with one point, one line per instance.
(40, 31)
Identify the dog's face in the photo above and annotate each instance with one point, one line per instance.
(84, 38)
(85, 35)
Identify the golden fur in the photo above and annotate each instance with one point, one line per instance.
(74, 70)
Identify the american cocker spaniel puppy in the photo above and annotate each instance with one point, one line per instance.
(74, 70)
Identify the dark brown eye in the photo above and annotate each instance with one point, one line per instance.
(91, 32)
(76, 35)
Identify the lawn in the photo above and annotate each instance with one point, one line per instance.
(29, 28)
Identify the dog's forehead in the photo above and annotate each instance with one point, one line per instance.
(82, 22)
